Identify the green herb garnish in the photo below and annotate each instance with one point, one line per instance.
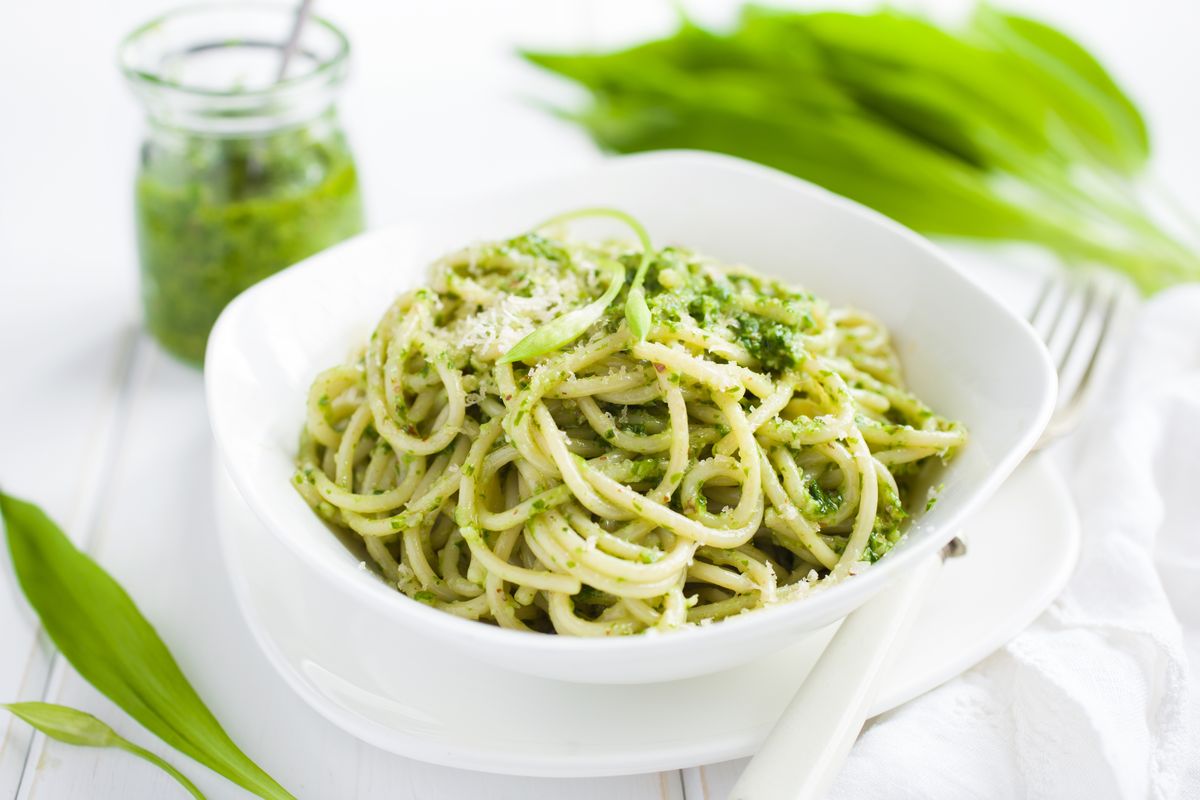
(79, 728)
(560, 332)
(98, 628)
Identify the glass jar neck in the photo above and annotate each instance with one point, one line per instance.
(216, 69)
(233, 116)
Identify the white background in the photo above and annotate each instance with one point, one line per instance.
(109, 435)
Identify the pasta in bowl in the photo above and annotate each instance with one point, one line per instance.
(598, 438)
(963, 355)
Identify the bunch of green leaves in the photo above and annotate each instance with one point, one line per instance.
(98, 628)
(1001, 129)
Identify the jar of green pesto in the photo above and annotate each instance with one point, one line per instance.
(243, 171)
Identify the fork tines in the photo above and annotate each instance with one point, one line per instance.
(1076, 313)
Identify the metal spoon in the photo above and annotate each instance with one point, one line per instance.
(303, 10)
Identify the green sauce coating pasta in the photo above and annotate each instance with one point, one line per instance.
(756, 444)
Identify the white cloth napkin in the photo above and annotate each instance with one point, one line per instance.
(1093, 701)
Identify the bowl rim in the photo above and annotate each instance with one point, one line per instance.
(443, 626)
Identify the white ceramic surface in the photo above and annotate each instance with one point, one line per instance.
(427, 703)
(961, 350)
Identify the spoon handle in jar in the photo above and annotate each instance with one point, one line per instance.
(303, 10)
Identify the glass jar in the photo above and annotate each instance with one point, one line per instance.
(242, 172)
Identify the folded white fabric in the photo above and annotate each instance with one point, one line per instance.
(1094, 700)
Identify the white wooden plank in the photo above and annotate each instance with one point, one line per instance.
(28, 656)
(156, 534)
(66, 302)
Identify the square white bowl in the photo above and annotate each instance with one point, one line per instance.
(961, 352)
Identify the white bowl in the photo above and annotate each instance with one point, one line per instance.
(961, 351)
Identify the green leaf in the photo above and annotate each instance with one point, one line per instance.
(65, 724)
(1076, 87)
(79, 728)
(850, 154)
(100, 630)
(637, 313)
(560, 332)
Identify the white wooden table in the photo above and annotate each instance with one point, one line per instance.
(109, 435)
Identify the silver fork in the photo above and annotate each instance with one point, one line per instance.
(1074, 315)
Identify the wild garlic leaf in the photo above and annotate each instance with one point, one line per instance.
(108, 641)
(561, 331)
(1077, 88)
(1070, 53)
(80, 728)
(637, 313)
(902, 68)
(65, 724)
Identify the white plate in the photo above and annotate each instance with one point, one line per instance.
(437, 706)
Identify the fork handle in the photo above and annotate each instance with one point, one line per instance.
(806, 748)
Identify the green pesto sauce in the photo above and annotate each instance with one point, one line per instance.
(886, 532)
(216, 215)
(823, 501)
(773, 343)
(710, 300)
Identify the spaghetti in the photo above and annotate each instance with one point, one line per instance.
(599, 439)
